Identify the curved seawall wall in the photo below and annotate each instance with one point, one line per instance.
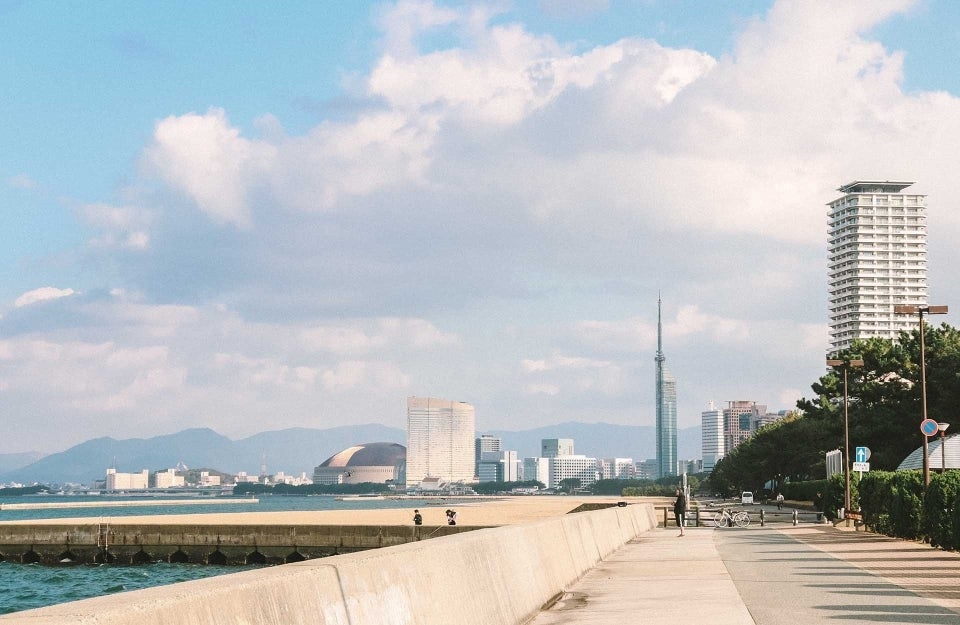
(498, 576)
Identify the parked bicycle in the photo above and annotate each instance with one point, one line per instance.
(729, 518)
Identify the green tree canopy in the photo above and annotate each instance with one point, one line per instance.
(883, 406)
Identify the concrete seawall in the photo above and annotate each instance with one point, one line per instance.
(498, 576)
(140, 543)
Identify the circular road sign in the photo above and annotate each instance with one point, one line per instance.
(929, 427)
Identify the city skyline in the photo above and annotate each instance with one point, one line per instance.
(298, 215)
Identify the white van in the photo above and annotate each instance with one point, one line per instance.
(746, 498)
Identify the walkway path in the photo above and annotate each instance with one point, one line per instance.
(766, 576)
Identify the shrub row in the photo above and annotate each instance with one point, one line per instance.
(893, 503)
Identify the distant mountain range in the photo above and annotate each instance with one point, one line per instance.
(297, 450)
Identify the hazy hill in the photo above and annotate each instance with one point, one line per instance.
(297, 450)
(292, 451)
(10, 462)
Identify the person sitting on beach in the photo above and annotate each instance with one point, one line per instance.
(451, 517)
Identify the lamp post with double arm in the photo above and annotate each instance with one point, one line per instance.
(908, 309)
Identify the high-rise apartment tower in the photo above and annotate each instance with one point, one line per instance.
(440, 440)
(877, 259)
(666, 409)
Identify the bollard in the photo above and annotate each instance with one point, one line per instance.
(796, 520)
(761, 517)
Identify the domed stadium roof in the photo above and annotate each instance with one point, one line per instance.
(949, 452)
(368, 455)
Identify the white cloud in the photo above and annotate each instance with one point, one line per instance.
(22, 181)
(42, 294)
(494, 221)
(361, 337)
(125, 227)
(207, 159)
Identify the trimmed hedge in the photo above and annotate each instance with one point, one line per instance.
(893, 503)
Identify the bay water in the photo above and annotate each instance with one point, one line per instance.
(26, 586)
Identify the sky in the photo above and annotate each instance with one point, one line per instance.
(254, 216)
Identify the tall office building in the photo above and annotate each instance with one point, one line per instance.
(877, 259)
(486, 449)
(556, 447)
(666, 409)
(440, 440)
(712, 439)
(738, 422)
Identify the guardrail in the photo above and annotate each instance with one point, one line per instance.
(702, 516)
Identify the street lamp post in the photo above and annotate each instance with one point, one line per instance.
(846, 364)
(943, 450)
(908, 309)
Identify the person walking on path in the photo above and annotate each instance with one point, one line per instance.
(680, 509)
(779, 501)
(417, 518)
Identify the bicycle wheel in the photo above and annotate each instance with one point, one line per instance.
(720, 520)
(742, 519)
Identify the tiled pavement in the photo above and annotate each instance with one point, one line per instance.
(776, 575)
(912, 566)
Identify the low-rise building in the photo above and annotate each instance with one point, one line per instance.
(168, 479)
(127, 481)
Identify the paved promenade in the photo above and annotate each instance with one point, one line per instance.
(766, 576)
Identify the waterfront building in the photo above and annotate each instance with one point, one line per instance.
(572, 466)
(666, 392)
(127, 481)
(536, 469)
(244, 478)
(440, 440)
(877, 259)
(647, 469)
(379, 463)
(616, 468)
(291, 480)
(555, 447)
(209, 480)
(712, 437)
(169, 479)
(499, 466)
(485, 444)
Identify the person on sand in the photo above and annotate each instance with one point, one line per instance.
(417, 518)
(680, 509)
(451, 517)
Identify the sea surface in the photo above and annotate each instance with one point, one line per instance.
(26, 586)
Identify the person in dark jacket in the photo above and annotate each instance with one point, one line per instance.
(680, 509)
(417, 518)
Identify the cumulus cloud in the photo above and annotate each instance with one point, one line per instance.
(42, 294)
(493, 220)
(120, 226)
(207, 159)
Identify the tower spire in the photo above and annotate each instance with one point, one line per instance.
(659, 357)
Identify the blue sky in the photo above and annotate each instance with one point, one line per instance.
(251, 216)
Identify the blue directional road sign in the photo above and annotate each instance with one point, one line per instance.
(862, 455)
